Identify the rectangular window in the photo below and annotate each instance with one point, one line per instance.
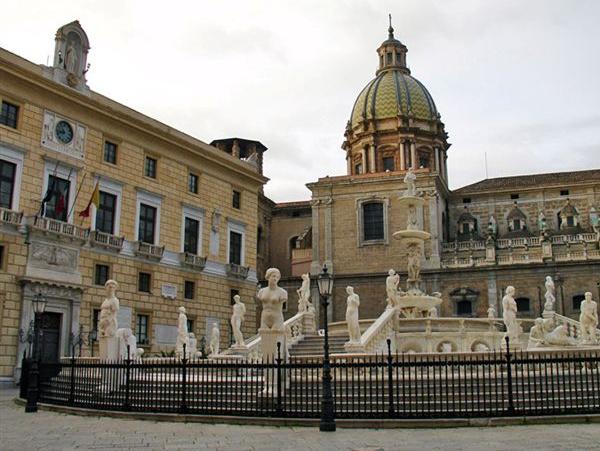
(56, 200)
(190, 324)
(141, 329)
(465, 228)
(150, 167)
(373, 221)
(144, 282)
(466, 200)
(193, 183)
(110, 152)
(2, 256)
(236, 199)
(516, 224)
(570, 221)
(9, 114)
(95, 318)
(358, 169)
(233, 292)
(514, 196)
(577, 299)
(522, 304)
(464, 308)
(190, 238)
(388, 164)
(564, 192)
(105, 214)
(147, 224)
(101, 274)
(8, 173)
(189, 288)
(235, 247)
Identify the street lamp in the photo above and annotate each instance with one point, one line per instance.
(39, 305)
(325, 283)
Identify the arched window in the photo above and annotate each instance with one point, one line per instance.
(424, 160)
(577, 301)
(464, 308)
(388, 164)
(465, 300)
(523, 304)
(373, 227)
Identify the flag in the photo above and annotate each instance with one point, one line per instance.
(59, 208)
(95, 199)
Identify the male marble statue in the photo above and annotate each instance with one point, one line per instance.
(215, 340)
(588, 319)
(536, 334)
(304, 304)
(352, 303)
(409, 179)
(414, 262)
(412, 222)
(107, 323)
(491, 312)
(272, 298)
(509, 315)
(391, 287)
(183, 337)
(193, 347)
(127, 339)
(492, 226)
(549, 295)
(237, 317)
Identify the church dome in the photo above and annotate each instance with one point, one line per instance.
(393, 93)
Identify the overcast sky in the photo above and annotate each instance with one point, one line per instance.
(519, 79)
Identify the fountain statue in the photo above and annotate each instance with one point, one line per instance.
(304, 304)
(272, 329)
(107, 323)
(549, 296)
(588, 319)
(237, 317)
(391, 288)
(352, 304)
(509, 316)
(183, 337)
(215, 340)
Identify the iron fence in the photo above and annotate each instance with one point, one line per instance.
(366, 386)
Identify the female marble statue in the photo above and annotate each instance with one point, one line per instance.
(391, 287)
(352, 304)
(409, 180)
(588, 319)
(71, 58)
(239, 311)
(536, 334)
(304, 304)
(215, 340)
(107, 323)
(412, 222)
(509, 314)
(182, 333)
(272, 298)
(550, 298)
(414, 262)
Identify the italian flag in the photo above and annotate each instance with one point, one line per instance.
(95, 200)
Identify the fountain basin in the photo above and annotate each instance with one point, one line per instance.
(421, 302)
(412, 236)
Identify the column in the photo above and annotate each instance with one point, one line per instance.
(445, 167)
(434, 229)
(363, 154)
(372, 158)
(401, 151)
(315, 267)
(413, 155)
(349, 163)
(436, 152)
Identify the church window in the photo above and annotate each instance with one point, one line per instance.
(464, 308)
(8, 172)
(150, 167)
(110, 152)
(9, 114)
(388, 164)
(373, 221)
(398, 58)
(423, 160)
(523, 304)
(577, 299)
(388, 58)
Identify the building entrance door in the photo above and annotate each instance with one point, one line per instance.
(50, 336)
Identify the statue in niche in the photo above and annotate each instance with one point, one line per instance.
(509, 315)
(215, 221)
(237, 318)
(409, 180)
(183, 337)
(549, 295)
(391, 287)
(304, 304)
(588, 319)
(492, 226)
(414, 262)
(107, 323)
(215, 340)
(272, 298)
(352, 304)
(542, 225)
(71, 58)
(412, 222)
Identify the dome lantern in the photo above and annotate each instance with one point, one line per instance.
(392, 53)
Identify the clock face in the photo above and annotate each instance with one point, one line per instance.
(64, 132)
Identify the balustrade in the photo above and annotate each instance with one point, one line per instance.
(106, 240)
(10, 216)
(60, 228)
(149, 250)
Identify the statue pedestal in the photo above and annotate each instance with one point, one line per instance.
(109, 348)
(269, 340)
(515, 344)
(309, 325)
(354, 347)
(548, 314)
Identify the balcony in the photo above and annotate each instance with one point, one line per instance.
(238, 271)
(10, 217)
(193, 261)
(148, 250)
(106, 240)
(60, 229)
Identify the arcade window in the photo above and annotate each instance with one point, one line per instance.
(9, 114)
(193, 183)
(388, 164)
(236, 199)
(522, 304)
(144, 280)
(150, 167)
(141, 329)
(8, 173)
(373, 221)
(110, 152)
(101, 274)
(189, 288)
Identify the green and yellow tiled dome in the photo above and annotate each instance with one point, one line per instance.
(393, 93)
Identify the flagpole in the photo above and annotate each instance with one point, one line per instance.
(76, 194)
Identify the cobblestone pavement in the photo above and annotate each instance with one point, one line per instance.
(55, 431)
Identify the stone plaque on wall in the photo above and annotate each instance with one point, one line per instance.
(168, 290)
(124, 317)
(53, 262)
(165, 335)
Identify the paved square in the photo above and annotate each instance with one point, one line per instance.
(53, 431)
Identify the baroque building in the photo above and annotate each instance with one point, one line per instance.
(92, 190)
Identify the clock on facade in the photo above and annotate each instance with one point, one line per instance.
(64, 132)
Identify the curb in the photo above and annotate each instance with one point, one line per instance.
(314, 422)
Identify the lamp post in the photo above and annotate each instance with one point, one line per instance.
(39, 305)
(325, 283)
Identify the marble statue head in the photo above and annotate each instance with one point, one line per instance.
(588, 296)
(349, 290)
(111, 286)
(510, 290)
(391, 272)
(182, 309)
(236, 298)
(539, 321)
(273, 273)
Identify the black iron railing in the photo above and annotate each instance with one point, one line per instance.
(370, 386)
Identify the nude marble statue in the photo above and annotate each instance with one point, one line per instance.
(183, 337)
(588, 319)
(509, 314)
(391, 287)
(215, 340)
(352, 304)
(549, 295)
(304, 304)
(272, 298)
(107, 323)
(237, 318)
(409, 180)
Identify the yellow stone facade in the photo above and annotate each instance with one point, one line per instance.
(36, 94)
